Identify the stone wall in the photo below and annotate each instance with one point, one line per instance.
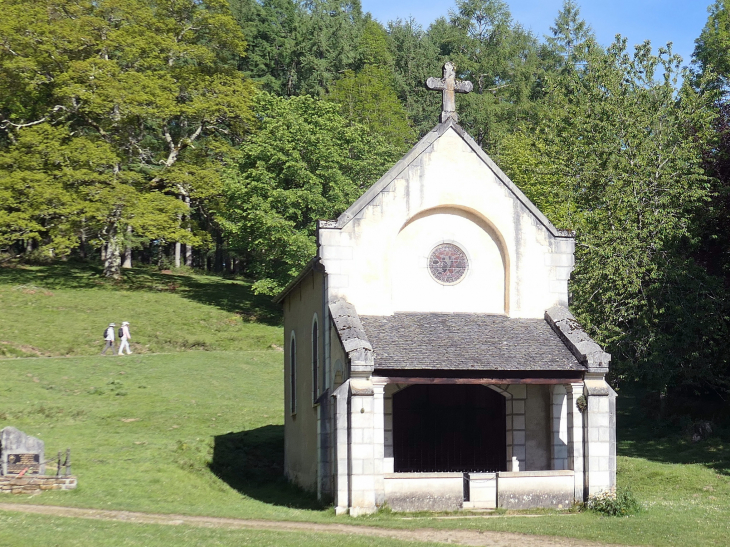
(12, 484)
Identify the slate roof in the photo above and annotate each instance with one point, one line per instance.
(466, 341)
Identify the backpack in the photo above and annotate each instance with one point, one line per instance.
(121, 332)
(105, 331)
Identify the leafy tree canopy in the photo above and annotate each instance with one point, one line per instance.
(306, 162)
(617, 156)
(128, 88)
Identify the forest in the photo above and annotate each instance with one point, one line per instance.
(212, 135)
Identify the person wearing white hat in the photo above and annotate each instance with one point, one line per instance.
(108, 338)
(125, 338)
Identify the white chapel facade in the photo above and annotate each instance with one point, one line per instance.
(431, 362)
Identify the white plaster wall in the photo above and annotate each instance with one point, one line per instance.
(482, 289)
(301, 427)
(365, 258)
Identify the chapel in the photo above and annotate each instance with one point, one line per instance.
(431, 360)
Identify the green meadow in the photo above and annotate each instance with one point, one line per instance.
(191, 423)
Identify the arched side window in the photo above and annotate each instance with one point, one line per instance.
(315, 359)
(293, 374)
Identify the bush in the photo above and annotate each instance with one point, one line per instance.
(613, 503)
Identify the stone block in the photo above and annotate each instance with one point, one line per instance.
(563, 246)
(518, 391)
(19, 451)
(530, 489)
(598, 420)
(559, 259)
(356, 468)
(604, 434)
(361, 452)
(338, 252)
(559, 287)
(518, 406)
(563, 274)
(338, 281)
(361, 483)
(424, 491)
(518, 437)
(356, 436)
(518, 422)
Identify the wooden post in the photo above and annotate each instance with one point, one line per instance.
(58, 468)
(67, 463)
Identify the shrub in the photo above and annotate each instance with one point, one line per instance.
(614, 504)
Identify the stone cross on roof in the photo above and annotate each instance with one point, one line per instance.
(449, 84)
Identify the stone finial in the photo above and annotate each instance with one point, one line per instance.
(449, 85)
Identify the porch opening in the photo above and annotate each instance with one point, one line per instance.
(449, 428)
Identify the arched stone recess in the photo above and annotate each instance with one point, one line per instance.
(484, 288)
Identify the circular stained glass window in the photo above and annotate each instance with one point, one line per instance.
(447, 264)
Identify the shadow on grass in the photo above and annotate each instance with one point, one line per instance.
(642, 436)
(252, 462)
(234, 296)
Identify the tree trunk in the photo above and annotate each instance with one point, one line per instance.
(82, 246)
(218, 262)
(103, 252)
(128, 249)
(177, 254)
(113, 261)
(188, 247)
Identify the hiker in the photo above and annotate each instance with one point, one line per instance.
(125, 337)
(108, 338)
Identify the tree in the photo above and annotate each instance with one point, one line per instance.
(502, 60)
(570, 33)
(367, 96)
(626, 148)
(415, 58)
(300, 47)
(146, 82)
(306, 162)
(712, 48)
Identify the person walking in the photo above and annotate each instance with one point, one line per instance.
(125, 338)
(109, 338)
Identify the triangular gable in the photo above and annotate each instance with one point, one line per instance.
(422, 146)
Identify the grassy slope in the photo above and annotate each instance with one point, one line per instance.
(207, 439)
(63, 310)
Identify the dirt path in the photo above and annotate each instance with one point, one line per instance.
(453, 537)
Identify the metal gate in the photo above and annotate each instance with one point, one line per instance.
(449, 428)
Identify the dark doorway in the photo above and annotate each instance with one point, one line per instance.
(445, 428)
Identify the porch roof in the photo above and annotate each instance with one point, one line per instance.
(466, 341)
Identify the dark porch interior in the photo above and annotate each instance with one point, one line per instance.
(449, 428)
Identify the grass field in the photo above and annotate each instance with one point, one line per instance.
(37, 531)
(62, 310)
(200, 433)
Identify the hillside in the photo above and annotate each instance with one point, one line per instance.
(62, 310)
(201, 432)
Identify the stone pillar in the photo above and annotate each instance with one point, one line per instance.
(516, 426)
(389, 455)
(362, 447)
(341, 442)
(597, 419)
(379, 438)
(559, 428)
(575, 438)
